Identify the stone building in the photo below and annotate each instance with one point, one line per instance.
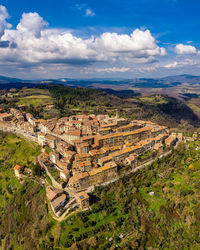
(158, 147)
(103, 174)
(61, 165)
(18, 170)
(57, 199)
(72, 135)
(64, 175)
(82, 199)
(120, 138)
(51, 141)
(54, 156)
(4, 117)
(131, 160)
(30, 118)
(170, 141)
(79, 182)
(42, 139)
(95, 176)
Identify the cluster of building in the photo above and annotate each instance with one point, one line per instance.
(60, 200)
(87, 149)
(22, 171)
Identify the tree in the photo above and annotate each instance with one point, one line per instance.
(36, 170)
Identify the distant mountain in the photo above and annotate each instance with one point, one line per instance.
(165, 82)
(5, 79)
(183, 78)
(9, 82)
(125, 84)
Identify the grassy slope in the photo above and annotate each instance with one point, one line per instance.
(35, 96)
(194, 104)
(68, 101)
(161, 109)
(21, 205)
(168, 219)
(154, 99)
(14, 150)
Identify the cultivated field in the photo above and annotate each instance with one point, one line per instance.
(35, 97)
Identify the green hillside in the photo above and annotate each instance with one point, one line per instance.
(154, 208)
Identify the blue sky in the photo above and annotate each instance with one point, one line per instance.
(107, 38)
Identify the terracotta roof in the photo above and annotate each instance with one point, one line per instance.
(104, 159)
(107, 166)
(82, 196)
(61, 165)
(40, 134)
(44, 155)
(77, 141)
(137, 131)
(121, 152)
(170, 139)
(51, 192)
(74, 132)
(130, 158)
(160, 136)
(157, 128)
(83, 155)
(158, 146)
(109, 125)
(94, 152)
(50, 137)
(18, 167)
(70, 152)
(78, 177)
(145, 142)
(76, 122)
(85, 144)
(127, 126)
(40, 120)
(84, 163)
(104, 129)
(82, 116)
(56, 202)
(4, 114)
(85, 138)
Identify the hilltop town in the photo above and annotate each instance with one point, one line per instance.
(83, 151)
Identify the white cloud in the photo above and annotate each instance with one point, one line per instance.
(139, 45)
(80, 6)
(185, 49)
(140, 42)
(182, 63)
(3, 23)
(36, 44)
(89, 12)
(172, 65)
(31, 23)
(114, 69)
(148, 69)
(83, 7)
